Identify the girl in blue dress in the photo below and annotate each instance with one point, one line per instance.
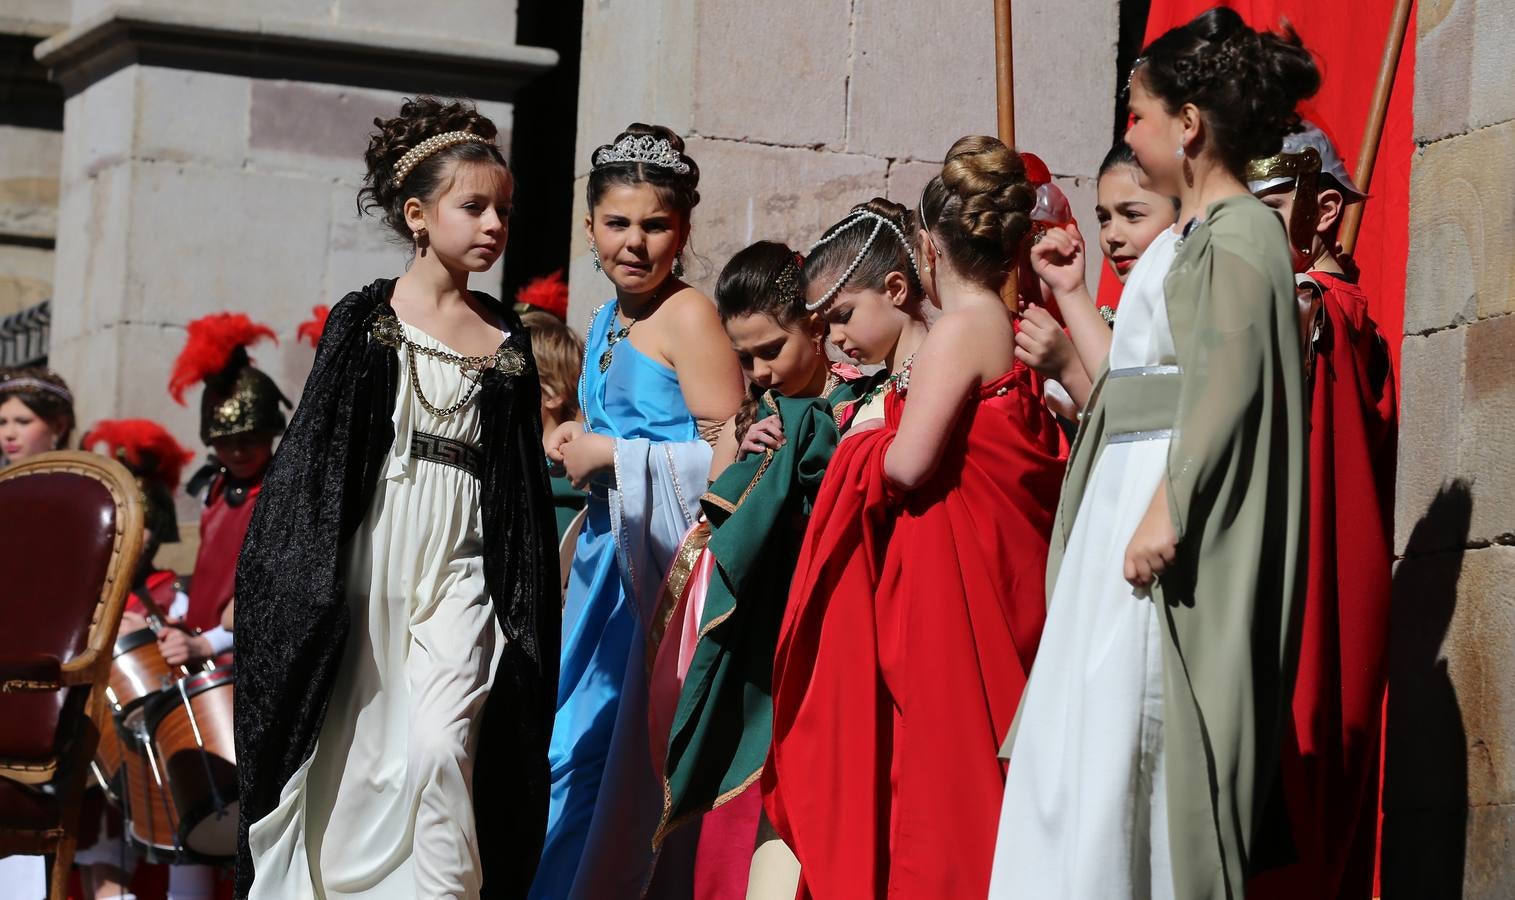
(660, 383)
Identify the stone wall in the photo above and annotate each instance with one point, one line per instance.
(1449, 802)
(795, 118)
(30, 147)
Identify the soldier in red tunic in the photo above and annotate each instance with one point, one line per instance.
(241, 415)
(1331, 754)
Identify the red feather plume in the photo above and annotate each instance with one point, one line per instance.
(140, 442)
(212, 341)
(549, 293)
(311, 331)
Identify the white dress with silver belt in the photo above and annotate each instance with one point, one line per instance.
(1084, 813)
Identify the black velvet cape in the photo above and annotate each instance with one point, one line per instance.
(292, 615)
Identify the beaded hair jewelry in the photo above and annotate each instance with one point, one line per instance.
(858, 217)
(417, 154)
(34, 385)
(787, 284)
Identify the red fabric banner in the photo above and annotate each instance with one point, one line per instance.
(1347, 41)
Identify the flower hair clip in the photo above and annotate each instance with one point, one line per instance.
(642, 149)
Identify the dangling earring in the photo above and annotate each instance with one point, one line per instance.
(594, 253)
(1179, 153)
(678, 265)
(420, 237)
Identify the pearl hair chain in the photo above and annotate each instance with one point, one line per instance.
(861, 216)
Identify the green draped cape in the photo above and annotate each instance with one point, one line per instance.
(757, 511)
(1237, 485)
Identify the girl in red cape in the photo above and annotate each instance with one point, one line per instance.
(917, 602)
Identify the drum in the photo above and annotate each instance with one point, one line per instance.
(137, 670)
(190, 726)
(151, 821)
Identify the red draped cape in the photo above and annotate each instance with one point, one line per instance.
(911, 626)
(1331, 757)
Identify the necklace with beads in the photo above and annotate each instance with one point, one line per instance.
(899, 383)
(616, 335)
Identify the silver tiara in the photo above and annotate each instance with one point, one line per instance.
(642, 149)
(34, 384)
(862, 215)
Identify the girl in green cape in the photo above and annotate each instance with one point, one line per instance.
(1143, 756)
(718, 619)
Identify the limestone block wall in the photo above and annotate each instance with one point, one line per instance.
(795, 118)
(29, 160)
(1449, 802)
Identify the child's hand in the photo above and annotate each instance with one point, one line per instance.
(1154, 544)
(131, 621)
(764, 435)
(180, 648)
(1042, 344)
(560, 436)
(586, 456)
(1058, 259)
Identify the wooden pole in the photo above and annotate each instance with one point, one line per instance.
(1377, 113)
(1004, 72)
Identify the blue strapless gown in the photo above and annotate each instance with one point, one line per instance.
(602, 694)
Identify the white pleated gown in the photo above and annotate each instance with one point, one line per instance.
(383, 809)
(1084, 816)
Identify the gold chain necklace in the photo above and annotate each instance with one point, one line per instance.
(388, 331)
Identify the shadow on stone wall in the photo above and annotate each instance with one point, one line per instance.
(1425, 797)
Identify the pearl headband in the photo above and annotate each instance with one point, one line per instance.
(34, 384)
(860, 216)
(417, 154)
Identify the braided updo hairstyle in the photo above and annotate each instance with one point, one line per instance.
(1245, 83)
(842, 243)
(419, 119)
(979, 207)
(678, 191)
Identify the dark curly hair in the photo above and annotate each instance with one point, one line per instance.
(980, 208)
(679, 191)
(421, 118)
(1245, 83)
(842, 243)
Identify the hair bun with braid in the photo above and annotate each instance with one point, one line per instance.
(980, 206)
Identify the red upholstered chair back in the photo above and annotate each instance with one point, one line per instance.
(70, 534)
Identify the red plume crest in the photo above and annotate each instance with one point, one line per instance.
(212, 341)
(311, 330)
(549, 293)
(140, 442)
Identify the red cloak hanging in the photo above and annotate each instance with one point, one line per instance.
(1331, 758)
(910, 630)
(223, 526)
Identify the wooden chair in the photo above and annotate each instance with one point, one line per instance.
(70, 536)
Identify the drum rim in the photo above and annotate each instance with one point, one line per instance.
(160, 703)
(126, 643)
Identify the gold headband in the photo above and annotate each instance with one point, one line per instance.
(417, 154)
(1284, 165)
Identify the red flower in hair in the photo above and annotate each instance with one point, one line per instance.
(212, 344)
(145, 446)
(311, 330)
(549, 293)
